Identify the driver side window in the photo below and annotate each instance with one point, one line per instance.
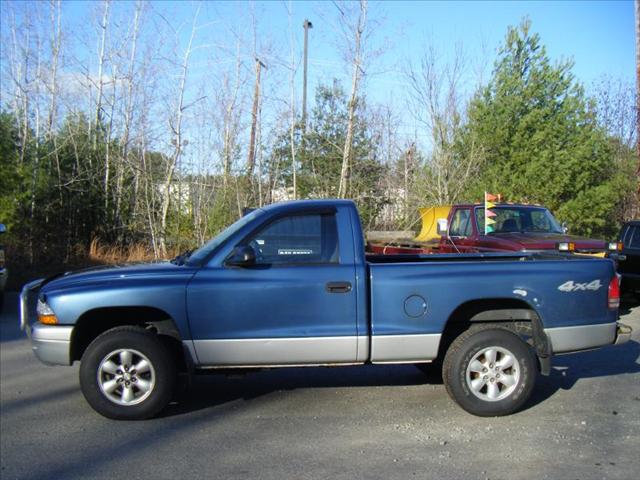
(461, 223)
(297, 239)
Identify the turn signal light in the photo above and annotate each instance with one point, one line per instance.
(566, 246)
(45, 314)
(615, 246)
(614, 293)
(48, 319)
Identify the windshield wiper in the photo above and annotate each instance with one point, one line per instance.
(182, 258)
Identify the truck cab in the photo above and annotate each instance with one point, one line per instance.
(530, 228)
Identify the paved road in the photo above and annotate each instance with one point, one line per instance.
(341, 423)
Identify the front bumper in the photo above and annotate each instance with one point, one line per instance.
(50, 343)
(585, 337)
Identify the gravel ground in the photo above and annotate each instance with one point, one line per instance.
(334, 423)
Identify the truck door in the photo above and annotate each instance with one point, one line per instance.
(461, 231)
(296, 305)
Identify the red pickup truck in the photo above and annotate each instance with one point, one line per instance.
(461, 229)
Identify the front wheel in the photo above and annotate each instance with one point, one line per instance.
(127, 374)
(489, 371)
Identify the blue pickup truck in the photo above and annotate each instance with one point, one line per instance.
(290, 285)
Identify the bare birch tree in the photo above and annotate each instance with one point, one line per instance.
(175, 124)
(357, 31)
(436, 105)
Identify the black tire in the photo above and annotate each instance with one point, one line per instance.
(466, 348)
(161, 375)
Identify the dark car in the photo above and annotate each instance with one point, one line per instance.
(3, 269)
(629, 259)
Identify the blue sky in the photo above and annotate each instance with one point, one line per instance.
(598, 35)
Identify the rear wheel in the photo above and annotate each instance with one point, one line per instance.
(489, 371)
(127, 374)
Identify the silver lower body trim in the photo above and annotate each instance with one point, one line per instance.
(276, 351)
(51, 343)
(581, 337)
(363, 349)
(404, 348)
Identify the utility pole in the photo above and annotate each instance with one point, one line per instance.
(251, 157)
(306, 25)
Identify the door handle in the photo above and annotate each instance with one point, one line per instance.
(338, 287)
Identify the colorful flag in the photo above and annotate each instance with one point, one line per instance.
(489, 222)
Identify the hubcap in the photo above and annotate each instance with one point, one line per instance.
(126, 377)
(493, 374)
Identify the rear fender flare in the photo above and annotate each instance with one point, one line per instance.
(527, 323)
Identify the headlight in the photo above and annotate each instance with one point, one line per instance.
(45, 314)
(615, 246)
(566, 246)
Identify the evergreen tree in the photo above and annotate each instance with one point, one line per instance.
(12, 173)
(541, 138)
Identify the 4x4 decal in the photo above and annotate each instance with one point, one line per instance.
(572, 286)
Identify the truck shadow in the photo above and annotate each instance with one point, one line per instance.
(567, 370)
(210, 391)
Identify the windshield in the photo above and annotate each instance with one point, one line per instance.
(199, 255)
(520, 219)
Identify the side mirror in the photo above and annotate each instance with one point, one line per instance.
(3, 229)
(442, 226)
(565, 229)
(242, 256)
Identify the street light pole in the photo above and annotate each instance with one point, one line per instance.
(306, 25)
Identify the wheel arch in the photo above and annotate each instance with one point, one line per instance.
(94, 322)
(516, 314)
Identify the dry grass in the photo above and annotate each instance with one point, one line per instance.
(109, 254)
(49, 262)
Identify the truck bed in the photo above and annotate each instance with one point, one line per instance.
(468, 257)
(413, 296)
